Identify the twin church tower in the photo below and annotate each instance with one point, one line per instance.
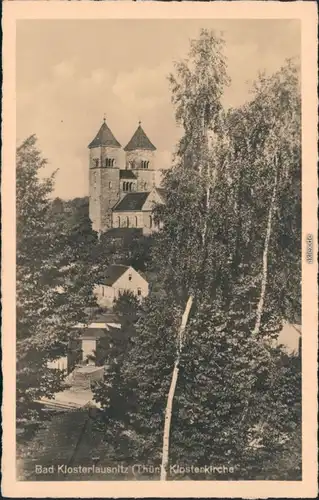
(122, 192)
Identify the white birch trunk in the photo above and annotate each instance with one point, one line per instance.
(261, 301)
(171, 393)
(260, 305)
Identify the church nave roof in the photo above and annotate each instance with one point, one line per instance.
(131, 202)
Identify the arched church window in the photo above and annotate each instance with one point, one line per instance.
(151, 221)
(127, 222)
(110, 184)
(113, 161)
(96, 162)
(131, 184)
(119, 221)
(136, 222)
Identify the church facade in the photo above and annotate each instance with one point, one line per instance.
(122, 194)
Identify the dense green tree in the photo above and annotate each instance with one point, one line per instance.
(203, 360)
(54, 284)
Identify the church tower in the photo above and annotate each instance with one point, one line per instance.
(104, 178)
(140, 158)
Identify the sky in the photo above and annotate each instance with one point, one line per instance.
(70, 73)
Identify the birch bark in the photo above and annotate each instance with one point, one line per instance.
(264, 278)
(171, 393)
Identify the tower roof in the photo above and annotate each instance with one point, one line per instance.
(139, 141)
(104, 137)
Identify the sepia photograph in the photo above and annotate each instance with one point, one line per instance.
(159, 250)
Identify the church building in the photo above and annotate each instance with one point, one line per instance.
(122, 195)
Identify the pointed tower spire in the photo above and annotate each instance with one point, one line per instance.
(139, 141)
(104, 137)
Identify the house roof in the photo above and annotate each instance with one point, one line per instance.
(131, 202)
(104, 137)
(113, 273)
(93, 333)
(127, 174)
(139, 141)
(105, 317)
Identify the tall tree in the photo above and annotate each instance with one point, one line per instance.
(54, 285)
(197, 356)
(197, 91)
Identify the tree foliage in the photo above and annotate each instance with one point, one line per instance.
(234, 398)
(54, 283)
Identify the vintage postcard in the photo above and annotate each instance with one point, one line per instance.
(159, 261)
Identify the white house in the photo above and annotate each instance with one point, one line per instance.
(92, 332)
(290, 338)
(96, 330)
(119, 279)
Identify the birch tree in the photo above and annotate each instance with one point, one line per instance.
(194, 358)
(197, 89)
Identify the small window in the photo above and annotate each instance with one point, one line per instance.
(96, 162)
(151, 221)
(127, 222)
(109, 162)
(139, 292)
(130, 277)
(136, 221)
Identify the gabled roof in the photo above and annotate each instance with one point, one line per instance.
(139, 141)
(104, 137)
(131, 202)
(127, 174)
(113, 273)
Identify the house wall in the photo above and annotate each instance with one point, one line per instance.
(88, 348)
(59, 364)
(104, 295)
(131, 281)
